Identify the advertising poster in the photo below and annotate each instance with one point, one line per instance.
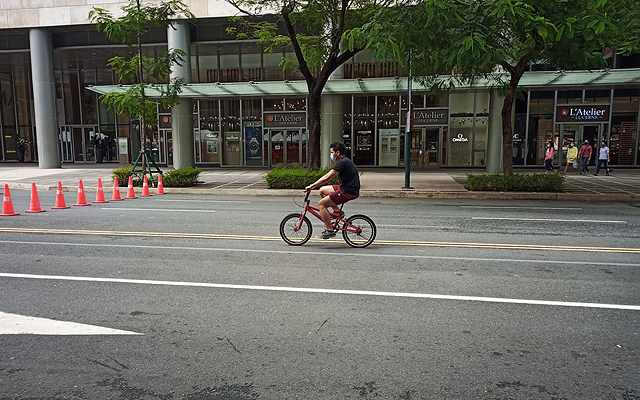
(253, 145)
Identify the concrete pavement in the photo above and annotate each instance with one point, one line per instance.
(623, 184)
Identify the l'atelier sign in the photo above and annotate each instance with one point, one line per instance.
(280, 120)
(428, 116)
(582, 113)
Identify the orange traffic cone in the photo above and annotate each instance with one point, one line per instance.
(60, 204)
(130, 193)
(35, 200)
(145, 188)
(82, 200)
(100, 193)
(160, 187)
(116, 191)
(7, 204)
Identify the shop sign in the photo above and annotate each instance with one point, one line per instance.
(165, 121)
(582, 113)
(428, 116)
(460, 138)
(285, 120)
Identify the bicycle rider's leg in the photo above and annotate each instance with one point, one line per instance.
(326, 191)
(324, 205)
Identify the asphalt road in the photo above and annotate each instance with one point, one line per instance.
(456, 299)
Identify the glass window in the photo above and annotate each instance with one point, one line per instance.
(251, 110)
(292, 73)
(597, 96)
(481, 128)
(71, 96)
(272, 70)
(437, 100)
(540, 133)
(208, 63)
(541, 102)
(296, 104)
(251, 63)
(274, 104)
(569, 96)
(89, 98)
(388, 109)
(626, 100)
(229, 63)
(459, 144)
(209, 115)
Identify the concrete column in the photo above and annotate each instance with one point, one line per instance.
(44, 99)
(331, 124)
(494, 140)
(182, 113)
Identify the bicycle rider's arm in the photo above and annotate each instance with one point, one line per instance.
(326, 178)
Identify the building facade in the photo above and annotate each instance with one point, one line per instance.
(246, 111)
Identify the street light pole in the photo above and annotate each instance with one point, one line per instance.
(407, 137)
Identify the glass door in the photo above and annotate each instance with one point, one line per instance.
(78, 144)
(592, 133)
(430, 147)
(570, 133)
(66, 144)
(293, 146)
(277, 147)
(417, 148)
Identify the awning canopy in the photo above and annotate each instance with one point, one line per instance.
(375, 86)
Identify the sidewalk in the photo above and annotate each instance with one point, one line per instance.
(622, 186)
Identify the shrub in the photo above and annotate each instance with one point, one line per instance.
(181, 177)
(123, 176)
(294, 177)
(516, 182)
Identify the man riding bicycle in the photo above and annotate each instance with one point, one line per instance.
(334, 195)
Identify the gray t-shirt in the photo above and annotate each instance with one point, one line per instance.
(348, 176)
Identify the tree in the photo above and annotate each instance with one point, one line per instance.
(315, 30)
(469, 39)
(129, 29)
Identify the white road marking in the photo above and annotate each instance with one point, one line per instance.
(321, 253)
(550, 219)
(326, 291)
(207, 201)
(14, 324)
(154, 209)
(525, 208)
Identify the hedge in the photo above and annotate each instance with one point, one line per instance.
(516, 182)
(294, 177)
(181, 177)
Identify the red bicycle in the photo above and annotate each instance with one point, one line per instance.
(357, 230)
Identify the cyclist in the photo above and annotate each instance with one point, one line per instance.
(334, 195)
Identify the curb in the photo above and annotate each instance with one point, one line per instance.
(414, 194)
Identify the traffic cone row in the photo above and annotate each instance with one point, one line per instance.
(7, 203)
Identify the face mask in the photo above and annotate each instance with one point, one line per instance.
(333, 157)
(570, 144)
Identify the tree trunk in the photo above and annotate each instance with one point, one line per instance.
(507, 131)
(313, 108)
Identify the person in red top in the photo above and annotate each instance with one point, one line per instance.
(548, 159)
(585, 155)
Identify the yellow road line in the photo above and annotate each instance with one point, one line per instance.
(509, 246)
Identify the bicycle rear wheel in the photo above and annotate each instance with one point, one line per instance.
(366, 231)
(290, 234)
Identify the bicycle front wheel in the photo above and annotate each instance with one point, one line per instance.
(290, 232)
(359, 231)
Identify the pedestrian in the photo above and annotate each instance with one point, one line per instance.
(548, 159)
(572, 159)
(585, 155)
(603, 158)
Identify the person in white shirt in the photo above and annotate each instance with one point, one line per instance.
(603, 158)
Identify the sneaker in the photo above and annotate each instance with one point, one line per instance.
(595, 174)
(326, 234)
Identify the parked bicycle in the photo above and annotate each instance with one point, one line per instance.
(357, 230)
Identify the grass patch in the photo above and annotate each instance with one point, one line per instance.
(294, 177)
(516, 182)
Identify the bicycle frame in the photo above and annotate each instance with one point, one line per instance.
(308, 208)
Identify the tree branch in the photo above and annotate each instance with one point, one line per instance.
(302, 63)
(235, 4)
